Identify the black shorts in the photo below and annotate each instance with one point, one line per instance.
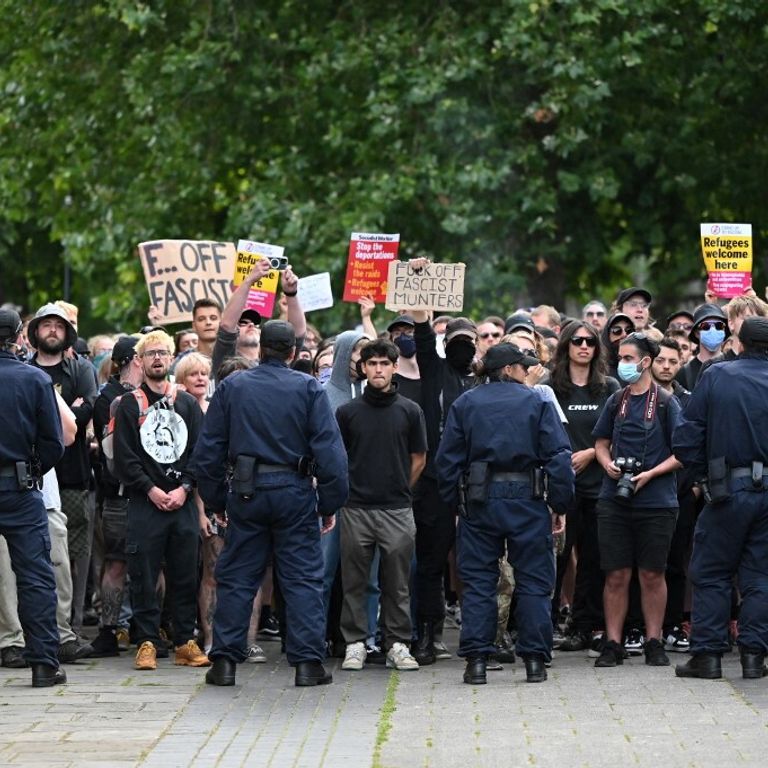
(114, 525)
(631, 536)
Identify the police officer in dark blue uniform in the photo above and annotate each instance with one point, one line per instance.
(30, 444)
(499, 434)
(723, 435)
(275, 427)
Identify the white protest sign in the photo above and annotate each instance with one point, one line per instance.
(433, 286)
(315, 292)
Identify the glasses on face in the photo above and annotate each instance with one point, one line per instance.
(636, 304)
(619, 330)
(680, 326)
(494, 335)
(596, 313)
(156, 353)
(579, 341)
(712, 325)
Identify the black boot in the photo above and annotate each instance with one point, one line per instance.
(753, 664)
(423, 649)
(535, 671)
(222, 672)
(703, 665)
(312, 673)
(474, 674)
(43, 676)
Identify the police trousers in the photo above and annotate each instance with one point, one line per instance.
(279, 520)
(510, 516)
(731, 538)
(24, 524)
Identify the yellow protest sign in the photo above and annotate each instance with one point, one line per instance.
(262, 296)
(727, 250)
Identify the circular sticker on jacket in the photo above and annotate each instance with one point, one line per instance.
(164, 435)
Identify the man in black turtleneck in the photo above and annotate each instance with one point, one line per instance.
(386, 443)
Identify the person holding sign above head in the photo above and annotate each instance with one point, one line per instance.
(238, 333)
(443, 380)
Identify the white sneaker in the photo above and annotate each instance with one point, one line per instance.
(256, 655)
(399, 657)
(355, 656)
(441, 651)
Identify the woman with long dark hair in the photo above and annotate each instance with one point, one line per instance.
(582, 388)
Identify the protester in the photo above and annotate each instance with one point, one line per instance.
(709, 331)
(192, 373)
(594, 312)
(635, 303)
(206, 317)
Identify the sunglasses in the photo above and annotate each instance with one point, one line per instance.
(579, 341)
(617, 330)
(712, 325)
(245, 323)
(496, 335)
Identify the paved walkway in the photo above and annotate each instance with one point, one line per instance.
(111, 715)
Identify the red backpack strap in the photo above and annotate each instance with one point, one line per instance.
(143, 401)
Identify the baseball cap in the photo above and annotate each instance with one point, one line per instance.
(460, 326)
(278, 335)
(628, 293)
(124, 350)
(252, 315)
(519, 321)
(10, 324)
(402, 320)
(508, 354)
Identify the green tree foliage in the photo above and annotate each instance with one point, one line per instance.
(553, 146)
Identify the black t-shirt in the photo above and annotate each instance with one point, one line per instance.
(630, 438)
(582, 410)
(56, 372)
(380, 438)
(410, 388)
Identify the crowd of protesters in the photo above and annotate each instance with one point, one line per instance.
(137, 544)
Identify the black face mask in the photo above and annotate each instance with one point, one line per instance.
(459, 353)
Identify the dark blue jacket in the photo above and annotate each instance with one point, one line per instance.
(511, 427)
(277, 415)
(726, 416)
(29, 419)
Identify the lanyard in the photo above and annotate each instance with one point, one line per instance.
(649, 415)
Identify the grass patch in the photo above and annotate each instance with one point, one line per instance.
(385, 718)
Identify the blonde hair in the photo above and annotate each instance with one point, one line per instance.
(94, 341)
(740, 305)
(191, 362)
(71, 310)
(151, 339)
(542, 350)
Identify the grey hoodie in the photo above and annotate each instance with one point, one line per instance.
(340, 388)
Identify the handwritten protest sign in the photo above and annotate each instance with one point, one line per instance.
(433, 286)
(315, 292)
(262, 296)
(369, 255)
(179, 272)
(727, 250)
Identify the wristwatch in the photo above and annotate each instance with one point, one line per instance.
(187, 486)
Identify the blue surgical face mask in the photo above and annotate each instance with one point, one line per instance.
(629, 372)
(325, 376)
(711, 339)
(406, 344)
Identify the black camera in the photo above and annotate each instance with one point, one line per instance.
(629, 466)
(278, 262)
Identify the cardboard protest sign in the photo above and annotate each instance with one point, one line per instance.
(179, 272)
(262, 296)
(433, 286)
(727, 250)
(315, 292)
(369, 255)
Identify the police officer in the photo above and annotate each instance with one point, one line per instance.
(30, 444)
(276, 428)
(724, 435)
(500, 433)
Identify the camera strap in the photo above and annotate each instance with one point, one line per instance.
(649, 416)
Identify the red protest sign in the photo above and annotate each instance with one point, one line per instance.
(369, 257)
